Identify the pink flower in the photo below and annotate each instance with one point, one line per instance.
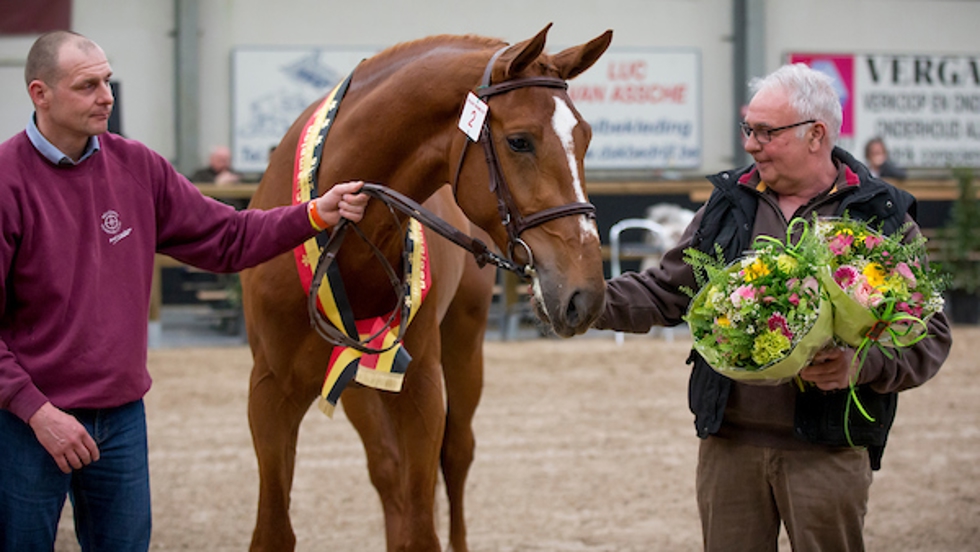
(906, 272)
(914, 310)
(872, 242)
(778, 322)
(810, 286)
(866, 295)
(792, 283)
(743, 294)
(794, 299)
(915, 307)
(845, 276)
(841, 243)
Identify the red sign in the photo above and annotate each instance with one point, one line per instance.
(840, 68)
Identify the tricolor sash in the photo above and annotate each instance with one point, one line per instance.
(384, 370)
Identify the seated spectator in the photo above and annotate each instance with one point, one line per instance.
(218, 169)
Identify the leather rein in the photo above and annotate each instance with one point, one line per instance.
(395, 201)
(514, 221)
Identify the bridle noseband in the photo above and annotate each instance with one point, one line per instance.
(510, 215)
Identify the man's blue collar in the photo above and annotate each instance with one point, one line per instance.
(53, 154)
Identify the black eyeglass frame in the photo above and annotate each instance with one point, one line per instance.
(748, 131)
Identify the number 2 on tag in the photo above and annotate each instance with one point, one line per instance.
(474, 113)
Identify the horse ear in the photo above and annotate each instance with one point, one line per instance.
(527, 52)
(574, 61)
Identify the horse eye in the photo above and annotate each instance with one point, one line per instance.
(520, 144)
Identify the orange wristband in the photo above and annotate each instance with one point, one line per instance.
(316, 221)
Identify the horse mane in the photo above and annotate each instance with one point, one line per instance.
(463, 42)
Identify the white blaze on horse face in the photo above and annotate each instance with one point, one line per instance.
(563, 121)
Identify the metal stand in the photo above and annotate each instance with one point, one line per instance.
(634, 250)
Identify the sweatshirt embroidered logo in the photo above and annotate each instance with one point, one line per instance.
(111, 225)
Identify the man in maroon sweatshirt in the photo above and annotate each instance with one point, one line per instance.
(83, 213)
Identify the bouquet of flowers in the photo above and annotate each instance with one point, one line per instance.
(761, 318)
(881, 288)
(882, 291)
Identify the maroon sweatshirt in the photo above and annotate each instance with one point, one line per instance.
(77, 253)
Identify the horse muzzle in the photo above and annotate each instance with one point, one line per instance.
(570, 310)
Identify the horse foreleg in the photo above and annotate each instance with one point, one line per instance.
(462, 332)
(401, 433)
(274, 420)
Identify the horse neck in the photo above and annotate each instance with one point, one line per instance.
(397, 126)
(411, 98)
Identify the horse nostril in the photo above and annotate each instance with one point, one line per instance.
(573, 311)
(582, 308)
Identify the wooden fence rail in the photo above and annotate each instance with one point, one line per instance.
(697, 190)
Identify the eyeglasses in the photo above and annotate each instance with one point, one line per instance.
(764, 135)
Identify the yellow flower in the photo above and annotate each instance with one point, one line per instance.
(787, 263)
(769, 346)
(756, 270)
(710, 297)
(895, 284)
(723, 321)
(875, 274)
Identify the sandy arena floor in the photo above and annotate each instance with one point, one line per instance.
(582, 446)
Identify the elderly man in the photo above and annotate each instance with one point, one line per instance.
(756, 467)
(84, 212)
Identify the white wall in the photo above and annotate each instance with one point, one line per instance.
(702, 24)
(871, 26)
(137, 37)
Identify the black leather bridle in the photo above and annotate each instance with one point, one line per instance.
(510, 215)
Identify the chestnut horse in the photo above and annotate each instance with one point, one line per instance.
(397, 126)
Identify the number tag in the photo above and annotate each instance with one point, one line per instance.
(474, 112)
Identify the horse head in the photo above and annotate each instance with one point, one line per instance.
(535, 144)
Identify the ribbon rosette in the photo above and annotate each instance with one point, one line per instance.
(761, 318)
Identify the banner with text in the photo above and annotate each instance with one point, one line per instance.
(644, 107)
(925, 107)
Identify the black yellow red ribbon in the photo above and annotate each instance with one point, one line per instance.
(384, 370)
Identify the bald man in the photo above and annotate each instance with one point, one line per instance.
(84, 213)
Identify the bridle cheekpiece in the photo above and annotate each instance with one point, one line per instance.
(510, 215)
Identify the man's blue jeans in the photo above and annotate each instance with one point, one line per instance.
(110, 497)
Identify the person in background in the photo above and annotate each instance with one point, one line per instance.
(880, 165)
(218, 170)
(84, 213)
(753, 470)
